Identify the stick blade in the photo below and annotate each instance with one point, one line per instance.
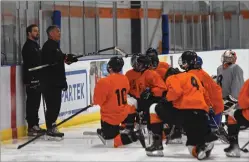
(89, 133)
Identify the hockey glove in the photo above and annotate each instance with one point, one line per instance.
(70, 58)
(145, 95)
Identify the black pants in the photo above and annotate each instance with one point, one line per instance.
(52, 96)
(195, 124)
(112, 131)
(241, 120)
(32, 105)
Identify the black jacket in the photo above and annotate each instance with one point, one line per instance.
(53, 75)
(31, 58)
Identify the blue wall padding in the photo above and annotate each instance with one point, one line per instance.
(57, 18)
(165, 34)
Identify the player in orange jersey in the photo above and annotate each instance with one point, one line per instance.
(191, 63)
(184, 105)
(240, 115)
(132, 75)
(110, 94)
(161, 68)
(155, 63)
(146, 86)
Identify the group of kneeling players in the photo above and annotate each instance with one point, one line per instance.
(170, 102)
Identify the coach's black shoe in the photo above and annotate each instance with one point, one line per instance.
(35, 130)
(156, 149)
(54, 132)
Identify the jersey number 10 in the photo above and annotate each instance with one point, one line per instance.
(121, 96)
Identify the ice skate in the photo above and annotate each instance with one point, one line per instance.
(101, 136)
(140, 137)
(174, 137)
(204, 151)
(35, 130)
(156, 149)
(233, 150)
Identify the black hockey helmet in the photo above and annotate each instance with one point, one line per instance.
(171, 71)
(140, 62)
(187, 60)
(116, 64)
(152, 53)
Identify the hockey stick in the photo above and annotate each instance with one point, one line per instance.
(95, 53)
(222, 134)
(79, 56)
(65, 120)
(168, 138)
(244, 149)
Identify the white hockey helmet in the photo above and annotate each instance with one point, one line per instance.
(228, 57)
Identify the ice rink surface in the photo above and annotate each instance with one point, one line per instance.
(78, 147)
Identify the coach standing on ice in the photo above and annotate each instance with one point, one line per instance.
(53, 80)
(31, 58)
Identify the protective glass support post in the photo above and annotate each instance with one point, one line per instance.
(40, 26)
(223, 26)
(183, 32)
(174, 33)
(193, 32)
(83, 27)
(3, 48)
(69, 27)
(145, 19)
(26, 14)
(240, 29)
(210, 32)
(115, 32)
(240, 18)
(201, 35)
(97, 26)
(18, 36)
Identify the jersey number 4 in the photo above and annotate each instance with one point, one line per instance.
(194, 82)
(121, 96)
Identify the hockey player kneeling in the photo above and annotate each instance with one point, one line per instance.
(191, 63)
(240, 115)
(110, 94)
(189, 110)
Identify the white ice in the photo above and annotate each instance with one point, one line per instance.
(78, 147)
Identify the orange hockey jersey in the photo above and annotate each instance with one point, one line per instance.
(110, 94)
(243, 99)
(150, 79)
(213, 96)
(186, 92)
(132, 76)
